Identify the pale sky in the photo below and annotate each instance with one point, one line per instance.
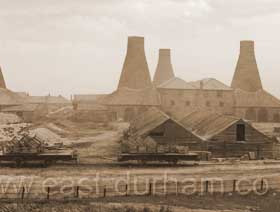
(73, 47)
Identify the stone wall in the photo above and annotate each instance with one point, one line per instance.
(178, 103)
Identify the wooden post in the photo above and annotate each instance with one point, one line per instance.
(77, 191)
(206, 186)
(22, 193)
(262, 185)
(234, 186)
(258, 153)
(150, 189)
(48, 193)
(225, 149)
(126, 190)
(104, 192)
(177, 184)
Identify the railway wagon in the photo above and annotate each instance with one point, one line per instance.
(46, 158)
(143, 158)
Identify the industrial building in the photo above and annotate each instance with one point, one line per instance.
(245, 98)
(229, 136)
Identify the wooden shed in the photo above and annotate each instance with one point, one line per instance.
(228, 136)
(163, 130)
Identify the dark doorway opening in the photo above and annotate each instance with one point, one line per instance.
(240, 132)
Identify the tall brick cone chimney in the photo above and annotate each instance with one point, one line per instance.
(2, 80)
(246, 76)
(164, 71)
(135, 73)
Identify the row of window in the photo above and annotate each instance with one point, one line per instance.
(207, 103)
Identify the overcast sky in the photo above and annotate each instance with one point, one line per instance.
(70, 47)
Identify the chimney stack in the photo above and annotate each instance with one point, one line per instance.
(164, 71)
(246, 76)
(201, 85)
(2, 80)
(135, 73)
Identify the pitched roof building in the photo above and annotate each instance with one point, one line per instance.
(162, 129)
(229, 136)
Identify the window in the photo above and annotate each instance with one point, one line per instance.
(172, 103)
(222, 104)
(157, 134)
(219, 94)
(240, 132)
(277, 129)
(188, 103)
(208, 103)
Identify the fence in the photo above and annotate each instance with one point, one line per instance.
(259, 186)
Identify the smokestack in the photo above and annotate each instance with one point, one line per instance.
(246, 76)
(201, 85)
(135, 73)
(2, 80)
(164, 71)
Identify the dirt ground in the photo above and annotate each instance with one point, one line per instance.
(179, 203)
(98, 146)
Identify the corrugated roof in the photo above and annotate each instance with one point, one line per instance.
(126, 96)
(260, 98)
(271, 130)
(207, 124)
(148, 121)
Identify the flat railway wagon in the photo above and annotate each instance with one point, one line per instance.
(45, 158)
(172, 158)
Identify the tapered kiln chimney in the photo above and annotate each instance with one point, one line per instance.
(135, 73)
(2, 80)
(246, 76)
(164, 71)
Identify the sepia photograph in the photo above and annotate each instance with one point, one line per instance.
(139, 106)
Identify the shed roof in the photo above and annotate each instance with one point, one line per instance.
(207, 124)
(148, 121)
(271, 130)
(127, 96)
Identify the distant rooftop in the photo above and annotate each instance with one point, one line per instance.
(206, 84)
